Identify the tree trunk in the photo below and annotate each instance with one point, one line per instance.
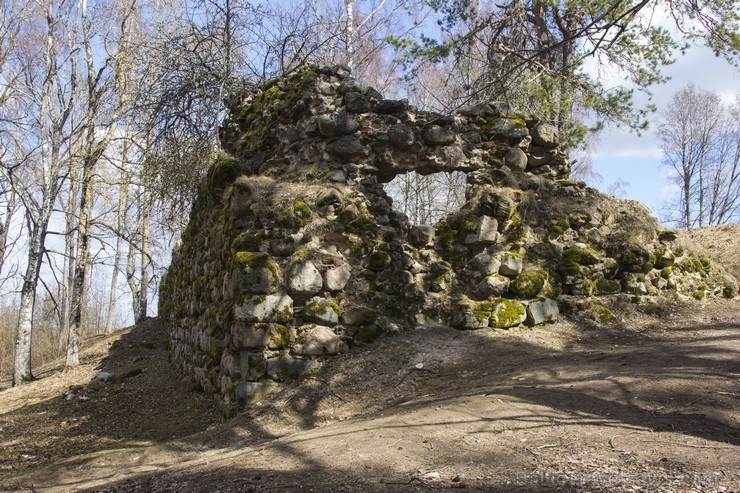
(349, 33)
(51, 129)
(10, 209)
(122, 205)
(69, 259)
(80, 284)
(22, 358)
(134, 287)
(145, 258)
(94, 148)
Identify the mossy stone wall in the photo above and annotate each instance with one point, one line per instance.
(294, 253)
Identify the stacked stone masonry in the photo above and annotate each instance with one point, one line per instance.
(294, 252)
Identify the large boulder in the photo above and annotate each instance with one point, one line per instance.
(545, 135)
(276, 308)
(304, 279)
(542, 311)
(321, 311)
(317, 340)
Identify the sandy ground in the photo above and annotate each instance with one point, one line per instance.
(648, 404)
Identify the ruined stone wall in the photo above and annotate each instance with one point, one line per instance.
(294, 252)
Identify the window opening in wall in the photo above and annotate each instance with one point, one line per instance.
(425, 199)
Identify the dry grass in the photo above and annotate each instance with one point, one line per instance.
(720, 243)
(47, 345)
(273, 202)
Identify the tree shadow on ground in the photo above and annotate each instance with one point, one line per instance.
(143, 402)
(680, 383)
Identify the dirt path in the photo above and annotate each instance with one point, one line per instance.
(648, 405)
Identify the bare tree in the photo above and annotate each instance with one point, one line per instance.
(39, 169)
(700, 139)
(427, 199)
(106, 93)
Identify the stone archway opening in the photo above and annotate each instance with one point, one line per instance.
(426, 199)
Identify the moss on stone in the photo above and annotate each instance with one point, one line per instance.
(445, 234)
(602, 314)
(483, 310)
(222, 172)
(320, 307)
(315, 308)
(588, 286)
(558, 228)
(636, 259)
(663, 258)
(301, 209)
(378, 261)
(334, 306)
(573, 258)
(529, 284)
(359, 245)
(497, 151)
(691, 265)
(285, 316)
(250, 241)
(583, 256)
(667, 235)
(607, 286)
(252, 259)
(729, 290)
(507, 313)
(453, 230)
(500, 313)
(281, 337)
(700, 292)
(360, 226)
(276, 102)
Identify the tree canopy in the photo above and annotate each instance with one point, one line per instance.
(549, 56)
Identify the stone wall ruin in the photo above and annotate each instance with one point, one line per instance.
(294, 252)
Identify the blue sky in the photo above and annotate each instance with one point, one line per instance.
(623, 155)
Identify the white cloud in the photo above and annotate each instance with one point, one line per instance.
(621, 142)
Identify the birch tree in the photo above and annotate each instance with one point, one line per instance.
(38, 173)
(106, 94)
(700, 140)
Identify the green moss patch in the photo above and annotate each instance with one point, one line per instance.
(250, 241)
(378, 261)
(691, 265)
(280, 337)
(601, 314)
(222, 173)
(575, 257)
(636, 259)
(501, 313)
(454, 229)
(301, 209)
(529, 284)
(361, 225)
(252, 259)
